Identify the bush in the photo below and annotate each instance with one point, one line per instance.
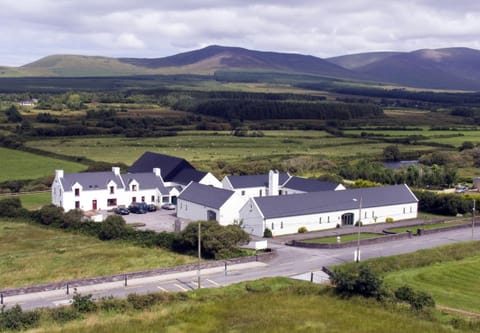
(389, 219)
(16, 319)
(418, 300)
(140, 302)
(302, 230)
(64, 314)
(267, 233)
(50, 214)
(114, 227)
(83, 303)
(12, 207)
(361, 281)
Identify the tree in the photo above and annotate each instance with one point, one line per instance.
(113, 227)
(359, 281)
(391, 153)
(13, 116)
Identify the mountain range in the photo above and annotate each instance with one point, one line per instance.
(447, 68)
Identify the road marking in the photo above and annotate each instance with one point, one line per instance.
(180, 287)
(162, 289)
(62, 302)
(212, 282)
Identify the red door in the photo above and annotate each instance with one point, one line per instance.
(94, 204)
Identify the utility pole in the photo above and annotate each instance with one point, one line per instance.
(473, 220)
(359, 225)
(199, 251)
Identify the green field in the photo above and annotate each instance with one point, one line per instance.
(267, 305)
(32, 201)
(427, 226)
(16, 165)
(453, 284)
(344, 238)
(33, 254)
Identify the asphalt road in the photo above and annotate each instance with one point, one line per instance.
(301, 263)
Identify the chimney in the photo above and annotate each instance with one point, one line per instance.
(157, 172)
(273, 182)
(58, 173)
(116, 171)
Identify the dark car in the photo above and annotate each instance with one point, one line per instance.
(138, 208)
(151, 208)
(122, 211)
(169, 206)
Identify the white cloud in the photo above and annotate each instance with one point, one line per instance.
(150, 28)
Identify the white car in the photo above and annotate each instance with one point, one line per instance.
(169, 206)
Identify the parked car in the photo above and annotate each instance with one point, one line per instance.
(169, 206)
(122, 211)
(138, 208)
(151, 208)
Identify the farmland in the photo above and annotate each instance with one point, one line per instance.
(33, 254)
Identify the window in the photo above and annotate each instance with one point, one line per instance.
(243, 193)
(403, 210)
(77, 204)
(165, 199)
(134, 187)
(134, 199)
(153, 198)
(320, 220)
(273, 225)
(410, 209)
(279, 192)
(111, 202)
(143, 198)
(112, 189)
(373, 213)
(328, 219)
(365, 215)
(260, 192)
(77, 192)
(281, 225)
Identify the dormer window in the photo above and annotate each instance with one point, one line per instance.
(134, 187)
(77, 192)
(112, 189)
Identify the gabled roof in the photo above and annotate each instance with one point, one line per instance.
(247, 181)
(309, 185)
(146, 181)
(90, 181)
(205, 195)
(169, 166)
(331, 201)
(185, 176)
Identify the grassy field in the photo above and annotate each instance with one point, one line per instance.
(265, 306)
(344, 238)
(32, 254)
(32, 201)
(453, 284)
(16, 165)
(427, 226)
(202, 148)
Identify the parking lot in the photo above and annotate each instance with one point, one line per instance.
(161, 220)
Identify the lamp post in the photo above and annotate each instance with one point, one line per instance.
(473, 219)
(357, 253)
(199, 252)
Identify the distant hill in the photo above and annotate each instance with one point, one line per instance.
(450, 68)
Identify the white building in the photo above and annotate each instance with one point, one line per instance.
(327, 209)
(208, 203)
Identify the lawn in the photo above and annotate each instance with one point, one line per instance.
(344, 238)
(427, 226)
(17, 165)
(453, 284)
(33, 254)
(32, 201)
(267, 305)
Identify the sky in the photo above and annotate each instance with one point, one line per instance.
(32, 29)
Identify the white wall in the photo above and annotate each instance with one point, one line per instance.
(253, 220)
(210, 179)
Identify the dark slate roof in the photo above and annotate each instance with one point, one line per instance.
(247, 181)
(309, 185)
(169, 166)
(205, 195)
(146, 181)
(331, 201)
(90, 180)
(185, 176)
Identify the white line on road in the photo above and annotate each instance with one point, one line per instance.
(212, 282)
(162, 289)
(180, 287)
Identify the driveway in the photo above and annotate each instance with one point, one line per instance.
(161, 220)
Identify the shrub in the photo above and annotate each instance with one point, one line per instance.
(12, 207)
(140, 302)
(16, 319)
(418, 300)
(83, 303)
(267, 233)
(302, 230)
(71, 218)
(113, 227)
(50, 214)
(361, 281)
(64, 314)
(389, 219)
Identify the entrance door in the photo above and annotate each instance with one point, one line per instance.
(174, 200)
(347, 219)
(94, 204)
(211, 215)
